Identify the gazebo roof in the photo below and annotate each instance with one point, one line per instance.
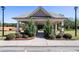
(40, 12)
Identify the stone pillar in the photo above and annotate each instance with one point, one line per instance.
(17, 29)
(62, 26)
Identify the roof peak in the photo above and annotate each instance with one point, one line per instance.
(40, 11)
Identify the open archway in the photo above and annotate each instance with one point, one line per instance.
(40, 31)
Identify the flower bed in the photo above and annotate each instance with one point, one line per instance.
(17, 36)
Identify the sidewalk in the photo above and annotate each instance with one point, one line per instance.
(40, 42)
(39, 45)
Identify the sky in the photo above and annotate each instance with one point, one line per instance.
(13, 11)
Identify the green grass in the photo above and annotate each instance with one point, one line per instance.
(5, 33)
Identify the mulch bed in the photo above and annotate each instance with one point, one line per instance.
(30, 38)
(60, 39)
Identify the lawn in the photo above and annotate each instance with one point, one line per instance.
(5, 33)
(72, 32)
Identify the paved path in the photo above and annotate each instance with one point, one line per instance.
(39, 44)
(40, 34)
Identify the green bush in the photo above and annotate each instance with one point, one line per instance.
(10, 36)
(60, 35)
(24, 36)
(67, 36)
(48, 29)
(18, 35)
(30, 29)
(51, 36)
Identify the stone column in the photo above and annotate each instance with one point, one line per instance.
(62, 26)
(17, 29)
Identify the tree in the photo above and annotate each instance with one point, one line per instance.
(78, 23)
(69, 24)
(0, 24)
(10, 24)
(31, 29)
(48, 29)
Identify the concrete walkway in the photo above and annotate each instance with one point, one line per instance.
(33, 42)
(39, 44)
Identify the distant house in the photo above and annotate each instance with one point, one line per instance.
(8, 28)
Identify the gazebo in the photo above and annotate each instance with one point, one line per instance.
(40, 16)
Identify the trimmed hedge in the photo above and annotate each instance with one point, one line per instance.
(52, 36)
(10, 36)
(18, 35)
(67, 36)
(60, 35)
(24, 36)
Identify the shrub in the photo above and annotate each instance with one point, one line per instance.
(60, 35)
(51, 36)
(67, 36)
(10, 36)
(18, 35)
(48, 29)
(30, 29)
(24, 36)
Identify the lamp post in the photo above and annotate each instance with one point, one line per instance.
(2, 20)
(75, 8)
